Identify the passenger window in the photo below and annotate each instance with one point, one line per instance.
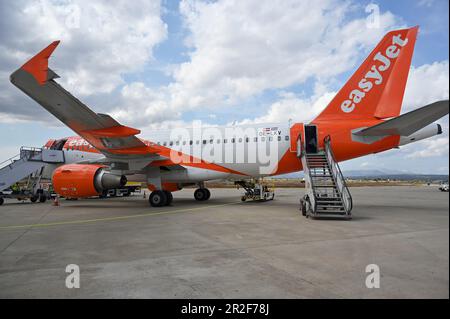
(246, 139)
(286, 138)
(204, 141)
(211, 141)
(224, 141)
(177, 143)
(171, 143)
(233, 140)
(165, 143)
(279, 138)
(191, 142)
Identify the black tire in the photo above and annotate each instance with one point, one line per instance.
(208, 193)
(169, 197)
(157, 199)
(33, 199)
(1, 200)
(200, 194)
(243, 199)
(42, 198)
(303, 207)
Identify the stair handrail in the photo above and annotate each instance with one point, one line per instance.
(301, 152)
(347, 199)
(11, 160)
(29, 151)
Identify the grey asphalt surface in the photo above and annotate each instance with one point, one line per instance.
(223, 248)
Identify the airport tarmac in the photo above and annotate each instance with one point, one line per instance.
(224, 248)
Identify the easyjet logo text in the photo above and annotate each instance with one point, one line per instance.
(382, 63)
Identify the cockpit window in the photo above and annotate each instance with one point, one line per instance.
(59, 144)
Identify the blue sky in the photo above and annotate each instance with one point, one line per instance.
(167, 63)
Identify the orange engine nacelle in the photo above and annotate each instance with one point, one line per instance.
(84, 180)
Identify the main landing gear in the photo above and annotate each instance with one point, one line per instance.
(202, 194)
(160, 198)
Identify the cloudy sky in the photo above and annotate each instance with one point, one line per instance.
(153, 64)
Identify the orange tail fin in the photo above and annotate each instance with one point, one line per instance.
(376, 89)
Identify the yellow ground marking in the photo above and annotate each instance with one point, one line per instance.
(86, 221)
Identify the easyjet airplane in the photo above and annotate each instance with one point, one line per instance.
(362, 119)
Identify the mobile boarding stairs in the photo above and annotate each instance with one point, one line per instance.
(327, 195)
(28, 163)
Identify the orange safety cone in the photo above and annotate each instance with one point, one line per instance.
(56, 201)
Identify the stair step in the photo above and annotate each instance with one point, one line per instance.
(330, 211)
(329, 207)
(320, 201)
(318, 175)
(332, 214)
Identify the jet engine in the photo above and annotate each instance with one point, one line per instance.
(84, 180)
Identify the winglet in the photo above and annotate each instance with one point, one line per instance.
(38, 65)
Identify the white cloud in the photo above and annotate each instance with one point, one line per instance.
(425, 3)
(100, 42)
(426, 84)
(430, 148)
(241, 48)
(113, 38)
(296, 108)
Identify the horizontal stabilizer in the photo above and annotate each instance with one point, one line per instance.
(404, 125)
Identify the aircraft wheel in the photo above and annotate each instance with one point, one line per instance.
(303, 207)
(157, 198)
(169, 197)
(201, 194)
(1, 200)
(42, 198)
(243, 198)
(208, 193)
(33, 199)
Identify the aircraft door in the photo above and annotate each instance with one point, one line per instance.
(311, 145)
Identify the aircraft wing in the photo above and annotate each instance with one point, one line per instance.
(111, 138)
(406, 124)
